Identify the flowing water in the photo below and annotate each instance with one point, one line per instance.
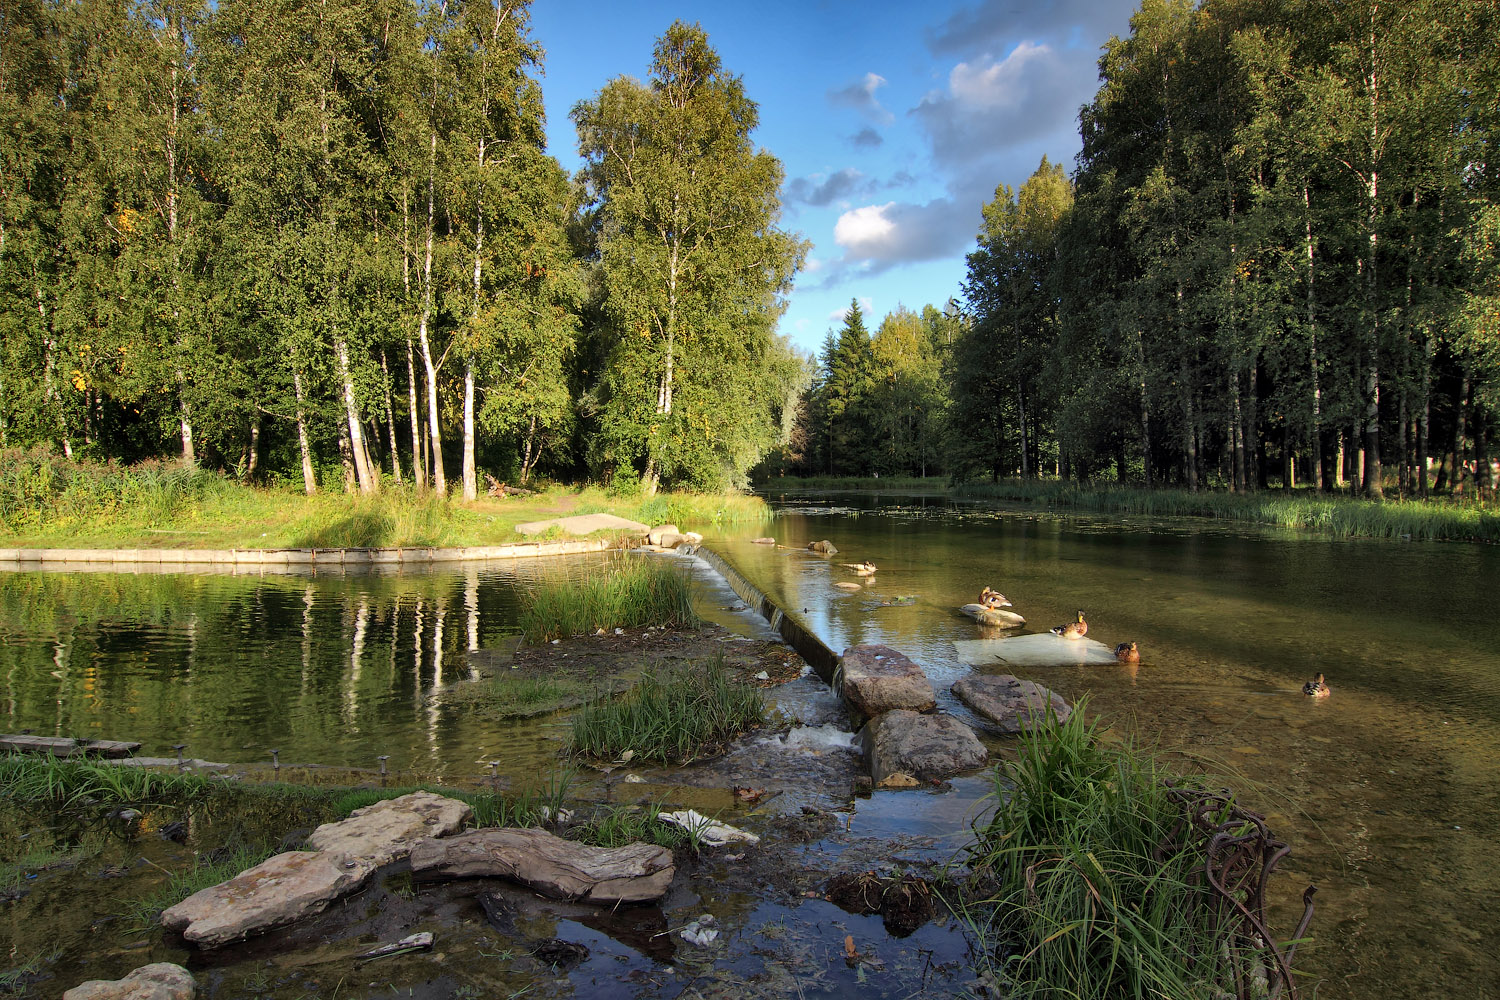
(1387, 791)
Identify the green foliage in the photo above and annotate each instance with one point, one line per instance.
(39, 490)
(63, 783)
(673, 716)
(628, 593)
(1084, 901)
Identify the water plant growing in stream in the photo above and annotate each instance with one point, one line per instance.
(673, 716)
(628, 592)
(1093, 880)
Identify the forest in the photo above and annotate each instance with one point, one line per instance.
(325, 243)
(1277, 262)
(326, 247)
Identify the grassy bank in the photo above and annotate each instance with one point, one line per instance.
(627, 593)
(1090, 871)
(50, 502)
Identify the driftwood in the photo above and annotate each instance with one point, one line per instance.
(498, 489)
(549, 865)
(62, 746)
(1239, 856)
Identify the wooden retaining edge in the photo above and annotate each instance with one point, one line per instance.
(288, 560)
(812, 649)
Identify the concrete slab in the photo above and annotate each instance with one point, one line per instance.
(1041, 650)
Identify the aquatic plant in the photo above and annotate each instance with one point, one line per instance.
(208, 870)
(628, 592)
(1094, 876)
(619, 825)
(75, 782)
(673, 716)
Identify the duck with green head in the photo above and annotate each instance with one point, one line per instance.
(1073, 630)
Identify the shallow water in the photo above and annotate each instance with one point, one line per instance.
(1386, 790)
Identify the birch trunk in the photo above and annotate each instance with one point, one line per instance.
(309, 480)
(434, 434)
(390, 419)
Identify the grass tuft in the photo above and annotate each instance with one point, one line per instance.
(629, 592)
(68, 783)
(672, 716)
(208, 870)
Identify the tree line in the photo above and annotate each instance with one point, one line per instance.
(1277, 261)
(319, 241)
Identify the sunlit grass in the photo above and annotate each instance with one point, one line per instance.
(628, 592)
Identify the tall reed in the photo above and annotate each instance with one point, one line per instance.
(628, 592)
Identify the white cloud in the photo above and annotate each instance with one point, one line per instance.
(866, 231)
(861, 97)
(988, 84)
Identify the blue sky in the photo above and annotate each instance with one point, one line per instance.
(894, 122)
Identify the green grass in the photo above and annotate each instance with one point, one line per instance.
(1340, 517)
(672, 716)
(628, 592)
(221, 866)
(617, 826)
(67, 783)
(1093, 891)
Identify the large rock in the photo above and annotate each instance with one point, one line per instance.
(929, 747)
(384, 832)
(878, 679)
(583, 524)
(823, 548)
(1029, 651)
(161, 981)
(1009, 702)
(277, 891)
(562, 869)
(665, 535)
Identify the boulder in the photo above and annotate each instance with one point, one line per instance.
(692, 538)
(384, 832)
(823, 548)
(763, 540)
(929, 747)
(876, 679)
(996, 617)
(562, 869)
(277, 891)
(161, 981)
(665, 535)
(1041, 650)
(1009, 702)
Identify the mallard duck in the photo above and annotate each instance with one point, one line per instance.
(1126, 652)
(862, 569)
(1073, 630)
(1317, 688)
(993, 599)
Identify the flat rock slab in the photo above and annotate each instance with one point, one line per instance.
(1041, 650)
(1009, 702)
(62, 746)
(994, 617)
(928, 747)
(879, 679)
(161, 981)
(385, 831)
(277, 891)
(583, 524)
(636, 873)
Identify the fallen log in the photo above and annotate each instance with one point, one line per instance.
(65, 746)
(636, 873)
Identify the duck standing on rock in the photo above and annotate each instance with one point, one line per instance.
(993, 599)
(1073, 630)
(1317, 688)
(1126, 652)
(861, 568)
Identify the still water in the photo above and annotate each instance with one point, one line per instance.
(1387, 791)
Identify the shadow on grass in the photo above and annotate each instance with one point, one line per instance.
(361, 529)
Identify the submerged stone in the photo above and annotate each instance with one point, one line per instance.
(1041, 650)
(385, 831)
(277, 891)
(878, 679)
(552, 866)
(160, 981)
(929, 747)
(1009, 702)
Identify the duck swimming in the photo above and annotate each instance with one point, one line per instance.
(1317, 688)
(1126, 652)
(1073, 630)
(862, 568)
(993, 599)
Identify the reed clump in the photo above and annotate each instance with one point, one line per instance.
(1088, 889)
(39, 489)
(629, 592)
(672, 716)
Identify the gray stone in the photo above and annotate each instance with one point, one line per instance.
(583, 524)
(1009, 702)
(1041, 650)
(823, 548)
(665, 535)
(384, 831)
(994, 617)
(161, 981)
(877, 679)
(549, 865)
(277, 891)
(929, 747)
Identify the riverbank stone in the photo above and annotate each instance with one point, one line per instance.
(877, 679)
(665, 535)
(385, 831)
(278, 891)
(583, 524)
(159, 981)
(1012, 704)
(926, 747)
(1031, 651)
(823, 548)
(550, 865)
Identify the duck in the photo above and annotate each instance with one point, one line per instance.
(993, 599)
(1126, 652)
(1317, 688)
(1073, 630)
(861, 568)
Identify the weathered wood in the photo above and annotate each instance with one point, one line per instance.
(63, 746)
(549, 865)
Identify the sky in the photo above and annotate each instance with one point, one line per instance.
(894, 121)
